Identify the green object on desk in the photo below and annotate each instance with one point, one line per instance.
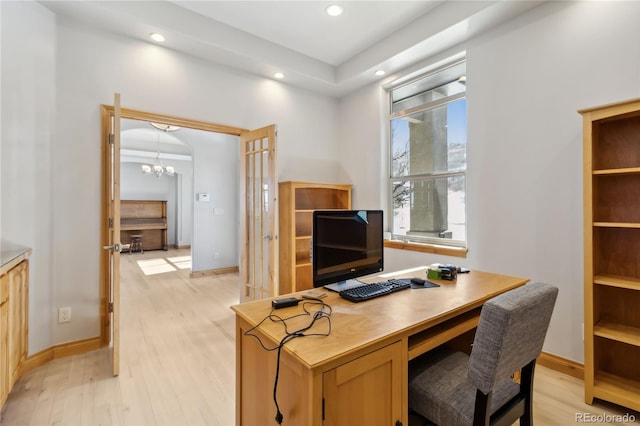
(434, 274)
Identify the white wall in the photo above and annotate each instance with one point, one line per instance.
(526, 80)
(216, 222)
(151, 78)
(62, 74)
(363, 148)
(27, 139)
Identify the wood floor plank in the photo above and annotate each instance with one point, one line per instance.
(177, 361)
(72, 407)
(559, 399)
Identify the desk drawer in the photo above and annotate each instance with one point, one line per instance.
(435, 336)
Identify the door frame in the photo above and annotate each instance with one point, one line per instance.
(106, 114)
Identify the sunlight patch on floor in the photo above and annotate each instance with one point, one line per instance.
(181, 262)
(155, 266)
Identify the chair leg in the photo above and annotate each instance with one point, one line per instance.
(526, 388)
(482, 413)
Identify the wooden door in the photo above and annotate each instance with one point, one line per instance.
(259, 256)
(366, 391)
(114, 245)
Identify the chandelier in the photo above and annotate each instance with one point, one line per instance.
(157, 168)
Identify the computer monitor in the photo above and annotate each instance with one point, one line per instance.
(346, 244)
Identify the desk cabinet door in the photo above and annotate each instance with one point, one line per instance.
(4, 338)
(366, 391)
(17, 332)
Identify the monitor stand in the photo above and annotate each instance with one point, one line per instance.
(343, 285)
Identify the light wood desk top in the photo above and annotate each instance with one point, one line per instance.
(358, 375)
(401, 314)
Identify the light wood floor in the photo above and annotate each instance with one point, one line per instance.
(178, 361)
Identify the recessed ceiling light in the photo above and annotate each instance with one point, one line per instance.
(157, 37)
(379, 73)
(278, 75)
(334, 10)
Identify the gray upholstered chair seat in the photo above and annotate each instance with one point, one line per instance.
(440, 388)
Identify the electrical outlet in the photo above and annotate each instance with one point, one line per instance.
(216, 255)
(64, 315)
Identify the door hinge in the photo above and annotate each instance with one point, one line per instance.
(110, 222)
(110, 307)
(111, 136)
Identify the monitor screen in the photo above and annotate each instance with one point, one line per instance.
(345, 244)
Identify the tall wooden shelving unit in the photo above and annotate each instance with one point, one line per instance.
(297, 202)
(612, 253)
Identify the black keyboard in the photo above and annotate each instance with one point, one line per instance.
(369, 291)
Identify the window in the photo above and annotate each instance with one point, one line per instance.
(428, 153)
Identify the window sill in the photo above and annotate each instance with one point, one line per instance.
(426, 248)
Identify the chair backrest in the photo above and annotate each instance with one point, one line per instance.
(510, 333)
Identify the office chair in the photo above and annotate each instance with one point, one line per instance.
(451, 388)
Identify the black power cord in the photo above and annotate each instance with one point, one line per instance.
(323, 312)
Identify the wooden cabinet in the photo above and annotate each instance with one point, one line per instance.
(375, 405)
(14, 316)
(366, 390)
(147, 218)
(4, 338)
(18, 318)
(297, 202)
(612, 244)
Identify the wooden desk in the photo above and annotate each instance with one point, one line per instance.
(358, 374)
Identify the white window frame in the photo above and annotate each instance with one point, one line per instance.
(406, 241)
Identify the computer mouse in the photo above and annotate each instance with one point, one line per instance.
(418, 281)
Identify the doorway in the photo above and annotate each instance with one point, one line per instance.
(193, 177)
(156, 183)
(246, 210)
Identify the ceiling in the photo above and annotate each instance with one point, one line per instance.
(140, 142)
(330, 55)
